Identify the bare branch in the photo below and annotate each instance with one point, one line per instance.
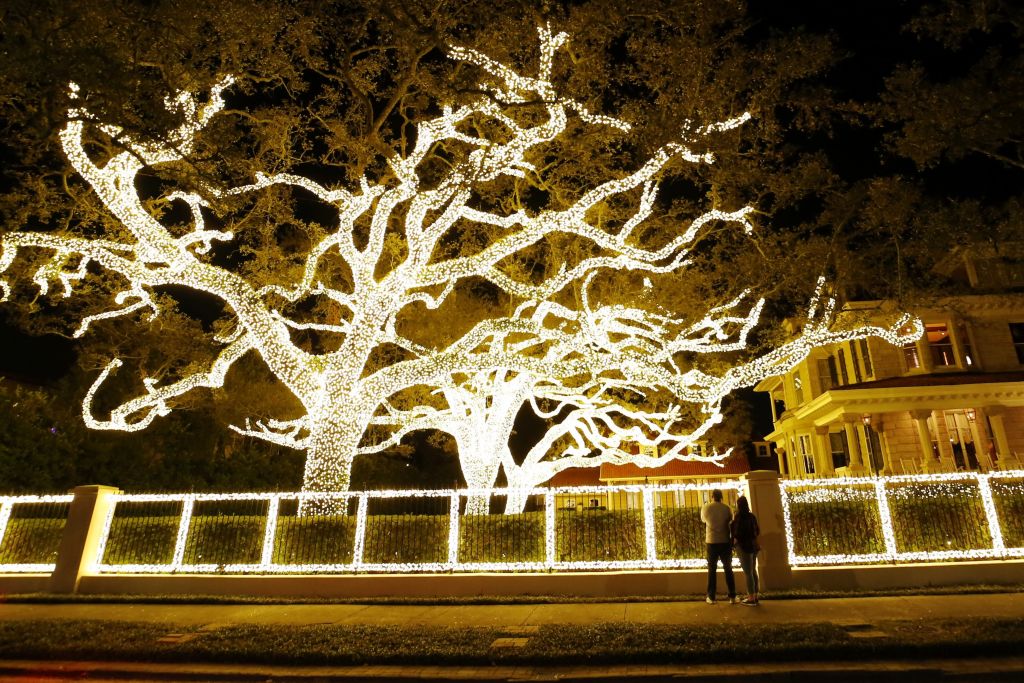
(144, 409)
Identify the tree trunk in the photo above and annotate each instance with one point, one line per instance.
(519, 488)
(481, 476)
(516, 501)
(329, 460)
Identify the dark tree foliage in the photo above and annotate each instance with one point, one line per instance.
(884, 138)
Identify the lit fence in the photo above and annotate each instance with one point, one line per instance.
(915, 518)
(564, 529)
(30, 532)
(843, 521)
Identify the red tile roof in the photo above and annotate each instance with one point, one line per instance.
(734, 466)
(674, 469)
(576, 476)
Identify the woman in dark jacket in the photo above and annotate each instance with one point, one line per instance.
(744, 536)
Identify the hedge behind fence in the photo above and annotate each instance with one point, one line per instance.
(1008, 496)
(938, 516)
(32, 539)
(840, 520)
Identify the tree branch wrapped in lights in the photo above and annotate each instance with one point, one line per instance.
(564, 362)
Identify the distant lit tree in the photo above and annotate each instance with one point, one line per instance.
(608, 413)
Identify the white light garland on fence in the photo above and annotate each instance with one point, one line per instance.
(829, 490)
(7, 504)
(266, 566)
(820, 491)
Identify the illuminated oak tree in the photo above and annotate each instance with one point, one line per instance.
(398, 252)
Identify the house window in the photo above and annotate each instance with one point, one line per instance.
(827, 373)
(865, 354)
(911, 358)
(798, 388)
(840, 452)
(940, 343)
(805, 453)
(961, 439)
(965, 342)
(762, 450)
(1017, 332)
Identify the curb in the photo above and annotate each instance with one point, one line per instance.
(993, 669)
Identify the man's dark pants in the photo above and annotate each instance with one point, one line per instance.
(723, 552)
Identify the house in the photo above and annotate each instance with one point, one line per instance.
(672, 472)
(952, 400)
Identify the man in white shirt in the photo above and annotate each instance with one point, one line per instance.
(716, 516)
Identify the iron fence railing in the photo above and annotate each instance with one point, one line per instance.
(580, 528)
(913, 518)
(30, 532)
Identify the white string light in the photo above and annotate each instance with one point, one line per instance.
(793, 491)
(7, 504)
(267, 566)
(880, 489)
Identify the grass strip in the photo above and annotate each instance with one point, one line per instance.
(338, 644)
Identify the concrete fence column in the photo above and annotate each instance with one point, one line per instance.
(78, 546)
(766, 503)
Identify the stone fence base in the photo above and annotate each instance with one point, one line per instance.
(591, 584)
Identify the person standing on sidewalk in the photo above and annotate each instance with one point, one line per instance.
(744, 534)
(716, 516)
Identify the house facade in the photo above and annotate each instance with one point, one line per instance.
(952, 400)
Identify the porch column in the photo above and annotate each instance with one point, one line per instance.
(780, 456)
(824, 448)
(883, 440)
(1007, 461)
(947, 462)
(856, 466)
(929, 460)
(981, 440)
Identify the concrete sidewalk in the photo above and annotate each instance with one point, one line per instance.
(859, 614)
(832, 610)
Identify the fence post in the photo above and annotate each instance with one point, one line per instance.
(76, 555)
(766, 502)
